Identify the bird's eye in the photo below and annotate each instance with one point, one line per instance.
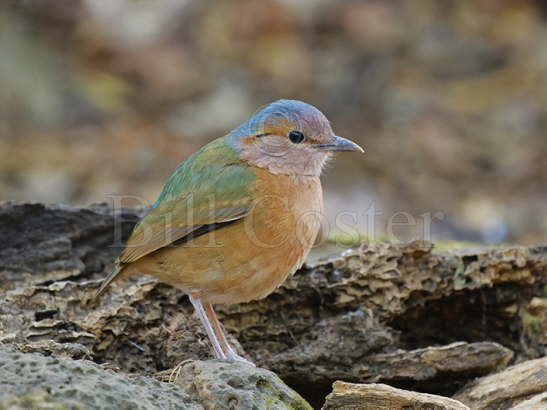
(296, 137)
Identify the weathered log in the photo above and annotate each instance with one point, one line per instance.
(382, 397)
(377, 313)
(522, 386)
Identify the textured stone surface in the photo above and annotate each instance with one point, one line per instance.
(221, 385)
(65, 382)
(382, 397)
(37, 399)
(31, 380)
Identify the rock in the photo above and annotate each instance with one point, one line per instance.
(222, 385)
(31, 380)
(522, 386)
(382, 397)
(63, 383)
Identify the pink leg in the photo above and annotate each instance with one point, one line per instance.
(198, 306)
(226, 348)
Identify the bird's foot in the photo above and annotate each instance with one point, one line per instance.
(234, 357)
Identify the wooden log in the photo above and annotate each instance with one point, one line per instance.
(401, 314)
(383, 397)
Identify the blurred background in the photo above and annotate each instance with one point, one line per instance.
(448, 98)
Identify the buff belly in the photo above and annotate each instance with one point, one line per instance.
(249, 258)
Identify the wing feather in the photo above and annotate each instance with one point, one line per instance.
(220, 196)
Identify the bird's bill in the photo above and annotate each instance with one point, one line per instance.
(340, 144)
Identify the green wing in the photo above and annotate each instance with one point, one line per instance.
(211, 186)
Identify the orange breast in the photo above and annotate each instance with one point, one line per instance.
(250, 258)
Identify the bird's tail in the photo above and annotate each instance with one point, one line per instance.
(118, 268)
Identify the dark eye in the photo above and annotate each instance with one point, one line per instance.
(296, 137)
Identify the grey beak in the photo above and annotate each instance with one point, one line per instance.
(340, 144)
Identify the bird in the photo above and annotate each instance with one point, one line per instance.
(238, 216)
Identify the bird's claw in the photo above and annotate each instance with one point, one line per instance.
(234, 357)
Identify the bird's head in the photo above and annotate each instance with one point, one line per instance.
(288, 137)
